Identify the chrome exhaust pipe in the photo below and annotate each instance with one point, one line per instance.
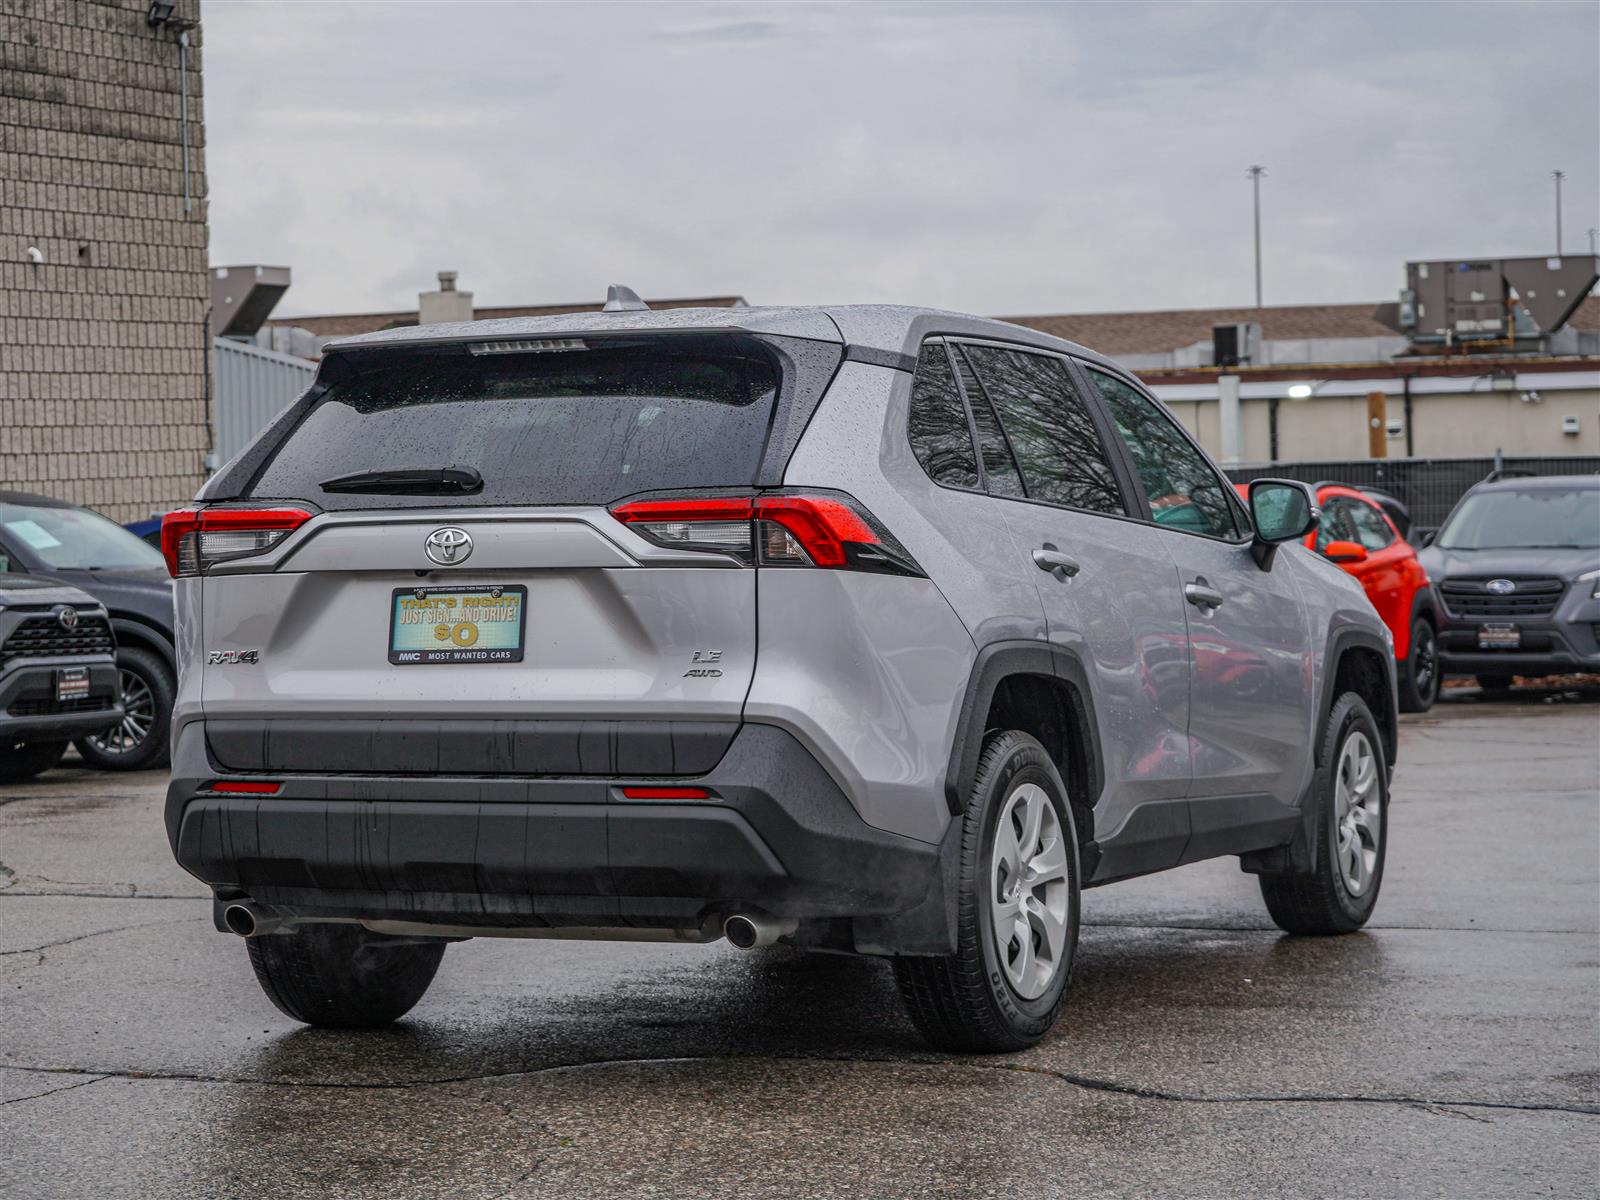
(248, 921)
(749, 930)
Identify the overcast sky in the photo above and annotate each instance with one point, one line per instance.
(995, 158)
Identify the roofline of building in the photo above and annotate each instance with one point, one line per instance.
(1394, 368)
(1370, 305)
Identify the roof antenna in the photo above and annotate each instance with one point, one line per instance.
(623, 299)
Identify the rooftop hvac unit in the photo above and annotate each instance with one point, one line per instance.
(1235, 345)
(1465, 301)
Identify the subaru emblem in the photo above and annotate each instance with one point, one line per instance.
(448, 546)
(68, 618)
(1500, 587)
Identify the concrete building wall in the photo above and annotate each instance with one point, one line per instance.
(103, 343)
(1444, 425)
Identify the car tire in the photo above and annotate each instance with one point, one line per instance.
(341, 976)
(1349, 823)
(24, 760)
(140, 741)
(986, 997)
(1419, 673)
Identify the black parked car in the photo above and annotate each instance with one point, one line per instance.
(61, 541)
(1516, 566)
(58, 679)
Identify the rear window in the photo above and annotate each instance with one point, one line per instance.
(578, 426)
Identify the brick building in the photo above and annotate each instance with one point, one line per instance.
(103, 276)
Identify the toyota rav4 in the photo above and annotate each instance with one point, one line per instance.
(867, 629)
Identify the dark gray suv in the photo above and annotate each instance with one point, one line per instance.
(876, 630)
(77, 546)
(58, 679)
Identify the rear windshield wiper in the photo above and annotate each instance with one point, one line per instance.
(409, 481)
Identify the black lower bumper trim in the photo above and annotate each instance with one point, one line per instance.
(29, 708)
(780, 838)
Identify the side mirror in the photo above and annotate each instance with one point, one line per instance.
(1428, 535)
(1345, 552)
(1284, 510)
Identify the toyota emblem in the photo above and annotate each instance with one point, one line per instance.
(1500, 587)
(68, 618)
(448, 546)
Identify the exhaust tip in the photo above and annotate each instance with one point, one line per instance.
(239, 919)
(741, 931)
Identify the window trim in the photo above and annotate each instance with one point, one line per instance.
(1132, 500)
(1241, 511)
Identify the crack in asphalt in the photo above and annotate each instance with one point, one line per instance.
(1085, 1082)
(1425, 1102)
(54, 1091)
(93, 933)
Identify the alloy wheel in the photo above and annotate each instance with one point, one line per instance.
(139, 717)
(1427, 659)
(1028, 891)
(1358, 809)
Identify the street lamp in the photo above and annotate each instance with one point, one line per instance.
(1255, 173)
(1558, 176)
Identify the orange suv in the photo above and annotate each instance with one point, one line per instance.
(1356, 533)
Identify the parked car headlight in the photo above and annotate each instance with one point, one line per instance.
(1592, 578)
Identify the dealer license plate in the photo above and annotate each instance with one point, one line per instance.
(1495, 636)
(457, 625)
(72, 683)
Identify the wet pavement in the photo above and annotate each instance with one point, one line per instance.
(1452, 1049)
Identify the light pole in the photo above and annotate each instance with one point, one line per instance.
(1558, 176)
(1255, 173)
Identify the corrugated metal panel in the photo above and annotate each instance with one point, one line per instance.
(250, 387)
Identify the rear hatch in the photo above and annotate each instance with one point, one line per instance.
(424, 574)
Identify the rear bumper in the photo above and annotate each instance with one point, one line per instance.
(29, 709)
(526, 855)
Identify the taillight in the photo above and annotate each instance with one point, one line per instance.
(193, 539)
(774, 529)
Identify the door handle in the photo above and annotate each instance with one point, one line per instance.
(1062, 566)
(1202, 595)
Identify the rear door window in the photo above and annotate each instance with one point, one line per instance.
(586, 425)
(940, 436)
(1056, 443)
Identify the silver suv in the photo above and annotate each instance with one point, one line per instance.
(866, 629)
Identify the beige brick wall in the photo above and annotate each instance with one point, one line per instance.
(103, 345)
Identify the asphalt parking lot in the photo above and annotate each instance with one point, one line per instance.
(1449, 1050)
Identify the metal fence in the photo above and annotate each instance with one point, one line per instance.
(1429, 487)
(251, 387)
